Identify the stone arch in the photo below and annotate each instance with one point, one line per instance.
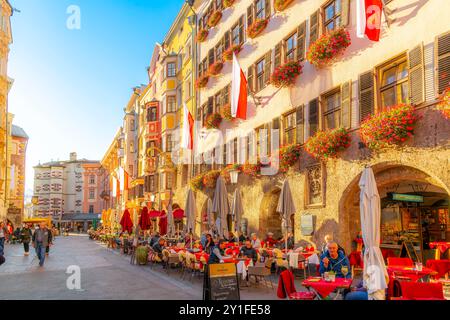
(269, 219)
(388, 176)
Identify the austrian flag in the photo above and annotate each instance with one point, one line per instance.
(238, 91)
(369, 13)
(187, 138)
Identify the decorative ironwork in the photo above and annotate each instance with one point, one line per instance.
(315, 184)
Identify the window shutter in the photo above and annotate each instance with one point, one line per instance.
(210, 105)
(366, 95)
(250, 79)
(226, 40)
(277, 59)
(241, 29)
(416, 75)
(268, 9)
(249, 16)
(300, 115)
(346, 104)
(345, 13)
(301, 43)
(314, 27)
(211, 57)
(313, 117)
(276, 123)
(443, 62)
(267, 66)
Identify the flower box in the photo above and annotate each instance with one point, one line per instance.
(285, 76)
(202, 82)
(226, 113)
(444, 103)
(202, 35)
(253, 170)
(228, 3)
(196, 183)
(325, 50)
(289, 155)
(210, 179)
(228, 54)
(281, 5)
(215, 68)
(214, 19)
(213, 121)
(327, 144)
(389, 127)
(257, 27)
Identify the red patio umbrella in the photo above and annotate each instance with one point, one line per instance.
(163, 223)
(178, 214)
(126, 223)
(154, 214)
(144, 220)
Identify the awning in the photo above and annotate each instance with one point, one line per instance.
(178, 214)
(154, 214)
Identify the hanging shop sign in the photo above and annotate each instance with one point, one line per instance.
(406, 197)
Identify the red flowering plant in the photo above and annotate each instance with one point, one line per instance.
(328, 47)
(253, 170)
(215, 68)
(196, 183)
(280, 5)
(389, 127)
(213, 121)
(327, 144)
(225, 173)
(210, 179)
(257, 27)
(228, 3)
(202, 35)
(214, 18)
(289, 155)
(202, 82)
(226, 112)
(444, 103)
(285, 76)
(228, 54)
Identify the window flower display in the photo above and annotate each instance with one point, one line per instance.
(328, 47)
(213, 121)
(281, 5)
(257, 27)
(214, 19)
(285, 76)
(228, 54)
(327, 144)
(202, 35)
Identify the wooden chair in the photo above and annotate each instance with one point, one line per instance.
(260, 272)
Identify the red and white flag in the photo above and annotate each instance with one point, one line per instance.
(368, 19)
(187, 138)
(238, 92)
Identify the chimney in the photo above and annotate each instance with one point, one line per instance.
(73, 156)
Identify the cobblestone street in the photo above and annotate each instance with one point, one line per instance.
(105, 274)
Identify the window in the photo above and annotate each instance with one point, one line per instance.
(169, 143)
(132, 125)
(169, 181)
(260, 9)
(91, 194)
(331, 106)
(152, 114)
(251, 156)
(171, 69)
(237, 32)
(152, 185)
(235, 151)
(188, 89)
(262, 71)
(92, 179)
(394, 83)
(291, 48)
(290, 124)
(332, 15)
(171, 104)
(187, 52)
(131, 146)
(91, 209)
(263, 142)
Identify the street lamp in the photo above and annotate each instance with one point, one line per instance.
(234, 175)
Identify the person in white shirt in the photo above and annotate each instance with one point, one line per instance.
(256, 243)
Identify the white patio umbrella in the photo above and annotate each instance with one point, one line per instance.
(375, 273)
(170, 220)
(190, 213)
(286, 208)
(221, 205)
(209, 214)
(237, 209)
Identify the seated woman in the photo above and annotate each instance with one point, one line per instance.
(333, 261)
(270, 241)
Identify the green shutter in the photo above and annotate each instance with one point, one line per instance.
(249, 16)
(313, 117)
(366, 95)
(345, 13)
(346, 104)
(268, 12)
(250, 79)
(267, 66)
(416, 75)
(301, 41)
(300, 125)
(443, 62)
(314, 27)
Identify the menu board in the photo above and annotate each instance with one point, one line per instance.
(221, 282)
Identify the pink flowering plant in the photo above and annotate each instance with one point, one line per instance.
(327, 144)
(215, 68)
(257, 27)
(328, 47)
(285, 76)
(289, 155)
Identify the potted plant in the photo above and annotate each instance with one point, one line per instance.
(214, 18)
(202, 82)
(202, 35)
(228, 54)
(215, 68)
(328, 47)
(327, 144)
(289, 155)
(213, 121)
(210, 179)
(257, 27)
(253, 170)
(226, 112)
(281, 5)
(196, 183)
(228, 3)
(389, 127)
(285, 76)
(444, 103)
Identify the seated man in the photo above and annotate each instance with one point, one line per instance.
(248, 251)
(290, 242)
(158, 247)
(218, 253)
(256, 243)
(270, 241)
(334, 260)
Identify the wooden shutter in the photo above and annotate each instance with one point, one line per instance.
(227, 40)
(345, 13)
(268, 13)
(346, 104)
(313, 117)
(267, 66)
(314, 27)
(301, 41)
(211, 57)
(250, 78)
(416, 75)
(443, 62)
(366, 95)
(241, 30)
(210, 105)
(277, 58)
(300, 115)
(249, 16)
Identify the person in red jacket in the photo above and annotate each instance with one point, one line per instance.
(270, 241)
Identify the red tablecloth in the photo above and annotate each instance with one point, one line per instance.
(324, 288)
(236, 261)
(440, 266)
(442, 246)
(409, 272)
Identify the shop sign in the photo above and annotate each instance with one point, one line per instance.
(406, 197)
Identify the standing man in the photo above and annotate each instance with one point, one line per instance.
(3, 232)
(40, 242)
(25, 235)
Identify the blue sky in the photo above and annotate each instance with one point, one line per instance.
(71, 85)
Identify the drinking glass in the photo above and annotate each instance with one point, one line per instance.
(344, 271)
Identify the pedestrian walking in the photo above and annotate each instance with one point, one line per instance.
(3, 233)
(40, 242)
(50, 242)
(26, 235)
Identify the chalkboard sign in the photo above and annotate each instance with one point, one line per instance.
(409, 251)
(221, 282)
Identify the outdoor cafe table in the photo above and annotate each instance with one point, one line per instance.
(324, 288)
(410, 272)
